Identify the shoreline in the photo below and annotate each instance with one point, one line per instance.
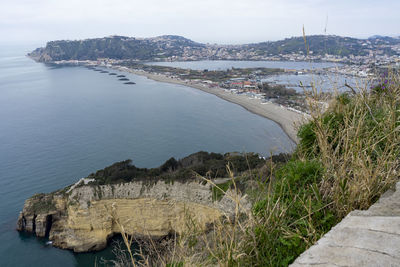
(288, 120)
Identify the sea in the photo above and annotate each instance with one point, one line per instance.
(61, 123)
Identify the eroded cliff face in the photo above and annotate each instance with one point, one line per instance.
(85, 217)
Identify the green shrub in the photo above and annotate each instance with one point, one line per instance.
(290, 217)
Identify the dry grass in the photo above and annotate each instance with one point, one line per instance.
(221, 244)
(357, 140)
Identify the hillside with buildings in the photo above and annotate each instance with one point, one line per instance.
(177, 48)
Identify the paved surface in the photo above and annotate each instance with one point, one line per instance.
(362, 238)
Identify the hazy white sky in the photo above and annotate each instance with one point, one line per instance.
(213, 21)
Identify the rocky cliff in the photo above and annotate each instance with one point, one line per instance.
(145, 202)
(84, 216)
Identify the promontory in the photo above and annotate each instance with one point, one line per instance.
(149, 203)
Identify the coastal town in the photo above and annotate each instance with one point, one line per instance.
(373, 55)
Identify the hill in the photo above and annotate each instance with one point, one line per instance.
(328, 44)
(115, 47)
(172, 47)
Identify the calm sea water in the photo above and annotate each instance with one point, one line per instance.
(58, 124)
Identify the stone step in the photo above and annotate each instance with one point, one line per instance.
(362, 238)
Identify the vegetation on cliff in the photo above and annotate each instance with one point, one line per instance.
(212, 165)
(42, 203)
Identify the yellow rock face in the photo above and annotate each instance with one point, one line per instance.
(84, 217)
(88, 229)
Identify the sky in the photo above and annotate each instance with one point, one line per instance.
(206, 21)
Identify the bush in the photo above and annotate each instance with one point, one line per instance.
(291, 217)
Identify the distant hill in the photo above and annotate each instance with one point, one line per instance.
(115, 47)
(326, 44)
(172, 46)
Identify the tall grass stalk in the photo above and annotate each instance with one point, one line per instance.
(358, 142)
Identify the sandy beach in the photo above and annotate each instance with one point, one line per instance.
(287, 119)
